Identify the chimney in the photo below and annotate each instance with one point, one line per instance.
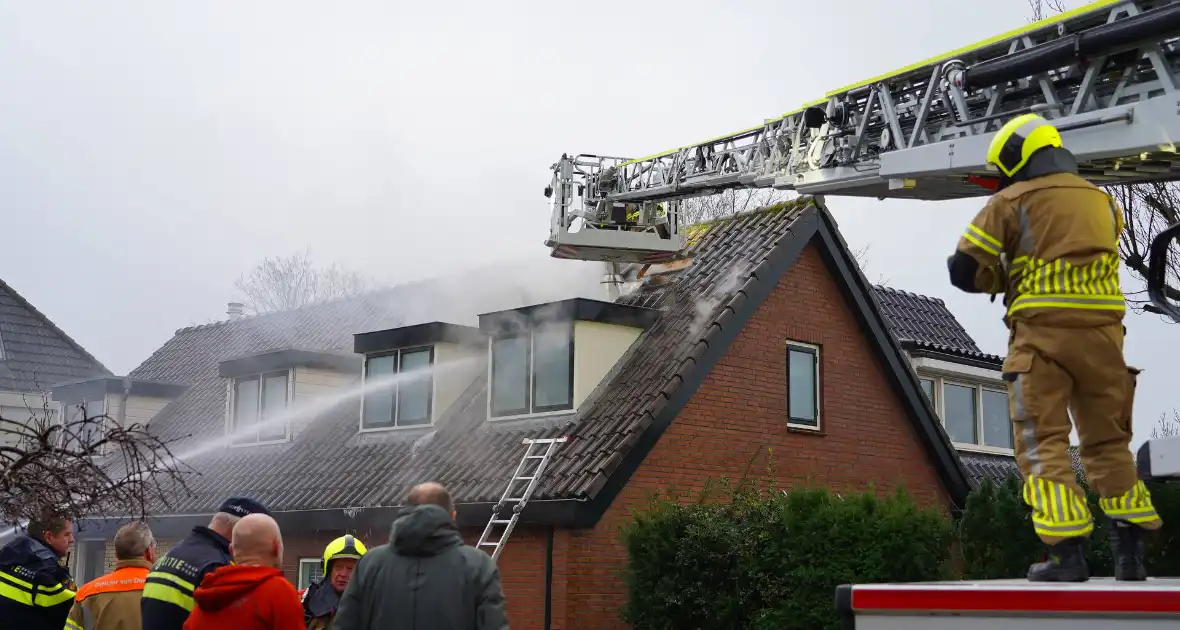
(234, 310)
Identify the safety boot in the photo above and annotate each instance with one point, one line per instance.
(1126, 548)
(1066, 563)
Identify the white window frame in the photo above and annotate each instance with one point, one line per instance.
(819, 406)
(530, 377)
(82, 547)
(978, 386)
(69, 408)
(430, 405)
(231, 406)
(314, 562)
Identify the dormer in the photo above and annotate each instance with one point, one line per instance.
(260, 387)
(125, 401)
(546, 359)
(426, 393)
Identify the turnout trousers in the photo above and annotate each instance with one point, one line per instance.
(1053, 372)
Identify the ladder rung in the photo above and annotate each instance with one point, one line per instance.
(489, 544)
(516, 498)
(534, 457)
(501, 521)
(524, 478)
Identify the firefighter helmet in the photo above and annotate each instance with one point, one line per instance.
(1018, 140)
(347, 546)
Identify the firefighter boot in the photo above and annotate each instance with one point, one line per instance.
(1066, 563)
(1126, 548)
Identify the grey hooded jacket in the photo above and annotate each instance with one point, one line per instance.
(425, 579)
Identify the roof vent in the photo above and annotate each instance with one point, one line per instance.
(234, 310)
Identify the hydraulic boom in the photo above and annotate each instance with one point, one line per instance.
(1106, 74)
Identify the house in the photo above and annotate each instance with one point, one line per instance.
(964, 384)
(35, 355)
(765, 353)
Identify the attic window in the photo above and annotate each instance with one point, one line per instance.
(407, 402)
(533, 371)
(257, 402)
(84, 435)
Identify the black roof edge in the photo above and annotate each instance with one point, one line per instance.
(562, 513)
(574, 309)
(920, 350)
(91, 389)
(781, 259)
(417, 335)
(286, 359)
(858, 291)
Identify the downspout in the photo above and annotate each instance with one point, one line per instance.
(123, 407)
(549, 578)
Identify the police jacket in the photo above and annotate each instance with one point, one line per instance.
(319, 604)
(168, 592)
(36, 591)
(1049, 242)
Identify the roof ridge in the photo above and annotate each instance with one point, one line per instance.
(928, 298)
(52, 326)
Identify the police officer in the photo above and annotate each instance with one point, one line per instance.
(168, 591)
(321, 598)
(36, 591)
(1048, 240)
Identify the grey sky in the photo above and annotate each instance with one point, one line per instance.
(152, 151)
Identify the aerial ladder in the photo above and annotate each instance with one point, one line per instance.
(1107, 75)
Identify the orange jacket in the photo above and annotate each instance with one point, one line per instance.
(111, 602)
(244, 597)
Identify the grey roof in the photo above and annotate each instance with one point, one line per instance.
(328, 464)
(999, 467)
(35, 354)
(925, 324)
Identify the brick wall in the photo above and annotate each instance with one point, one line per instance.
(739, 413)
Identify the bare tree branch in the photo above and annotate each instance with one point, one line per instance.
(728, 203)
(82, 466)
(288, 282)
(1167, 426)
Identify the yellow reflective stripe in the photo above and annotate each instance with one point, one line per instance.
(1134, 506)
(982, 240)
(1084, 302)
(168, 594)
(5, 575)
(49, 596)
(1057, 510)
(71, 625)
(179, 592)
(16, 594)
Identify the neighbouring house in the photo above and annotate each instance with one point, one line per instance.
(764, 353)
(964, 384)
(35, 355)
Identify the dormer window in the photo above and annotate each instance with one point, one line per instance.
(258, 404)
(533, 371)
(408, 400)
(86, 422)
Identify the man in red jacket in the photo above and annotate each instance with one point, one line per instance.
(251, 593)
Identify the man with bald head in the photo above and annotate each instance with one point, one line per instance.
(425, 577)
(252, 592)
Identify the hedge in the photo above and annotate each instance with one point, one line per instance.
(765, 558)
(769, 559)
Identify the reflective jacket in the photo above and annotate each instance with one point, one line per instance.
(36, 591)
(319, 604)
(111, 602)
(168, 592)
(1050, 244)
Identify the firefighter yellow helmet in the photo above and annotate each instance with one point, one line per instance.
(347, 546)
(1017, 140)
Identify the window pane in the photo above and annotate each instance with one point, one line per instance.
(413, 396)
(958, 405)
(274, 403)
(379, 404)
(94, 560)
(801, 377)
(928, 387)
(245, 409)
(92, 431)
(510, 376)
(551, 365)
(997, 429)
(310, 570)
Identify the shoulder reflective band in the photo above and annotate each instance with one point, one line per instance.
(22, 592)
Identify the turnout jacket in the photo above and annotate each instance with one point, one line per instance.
(168, 592)
(36, 590)
(111, 602)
